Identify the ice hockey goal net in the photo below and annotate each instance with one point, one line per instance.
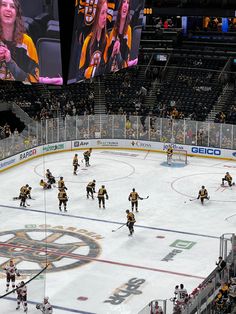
(179, 155)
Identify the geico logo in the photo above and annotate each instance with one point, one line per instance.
(131, 287)
(28, 154)
(206, 151)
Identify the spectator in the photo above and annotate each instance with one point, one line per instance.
(120, 38)
(18, 55)
(92, 60)
(155, 308)
(220, 264)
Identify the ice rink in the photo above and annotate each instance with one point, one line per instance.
(94, 270)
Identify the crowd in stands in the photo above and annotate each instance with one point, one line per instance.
(6, 131)
(41, 103)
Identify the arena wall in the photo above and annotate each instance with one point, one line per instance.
(39, 151)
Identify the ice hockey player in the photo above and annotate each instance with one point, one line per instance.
(130, 222)
(23, 189)
(61, 184)
(23, 194)
(87, 155)
(28, 192)
(62, 197)
(75, 163)
(102, 192)
(228, 179)
(51, 179)
(169, 155)
(21, 291)
(45, 307)
(133, 198)
(45, 185)
(90, 189)
(203, 194)
(182, 294)
(11, 272)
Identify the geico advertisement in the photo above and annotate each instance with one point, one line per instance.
(206, 151)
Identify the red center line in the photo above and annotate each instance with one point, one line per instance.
(82, 257)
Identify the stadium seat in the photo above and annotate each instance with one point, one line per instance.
(35, 17)
(135, 42)
(53, 27)
(49, 51)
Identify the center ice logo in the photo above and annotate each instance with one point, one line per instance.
(54, 247)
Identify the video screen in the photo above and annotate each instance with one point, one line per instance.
(29, 37)
(106, 37)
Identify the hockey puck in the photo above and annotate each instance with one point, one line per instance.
(160, 237)
(82, 298)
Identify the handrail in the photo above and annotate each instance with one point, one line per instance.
(224, 68)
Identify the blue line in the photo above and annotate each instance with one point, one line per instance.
(54, 307)
(110, 221)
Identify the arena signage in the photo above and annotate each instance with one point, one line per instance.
(80, 143)
(107, 143)
(53, 147)
(125, 291)
(28, 154)
(206, 151)
(175, 146)
(6, 163)
(141, 144)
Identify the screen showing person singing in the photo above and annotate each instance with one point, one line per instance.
(106, 37)
(25, 55)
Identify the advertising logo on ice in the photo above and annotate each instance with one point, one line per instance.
(132, 287)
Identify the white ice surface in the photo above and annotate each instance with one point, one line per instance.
(166, 216)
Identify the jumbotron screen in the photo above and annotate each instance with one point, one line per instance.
(106, 37)
(25, 53)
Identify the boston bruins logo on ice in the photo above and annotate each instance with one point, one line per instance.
(62, 248)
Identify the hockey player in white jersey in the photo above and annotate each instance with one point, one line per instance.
(11, 272)
(45, 307)
(21, 290)
(182, 294)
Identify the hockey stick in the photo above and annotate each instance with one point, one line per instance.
(118, 228)
(193, 199)
(145, 198)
